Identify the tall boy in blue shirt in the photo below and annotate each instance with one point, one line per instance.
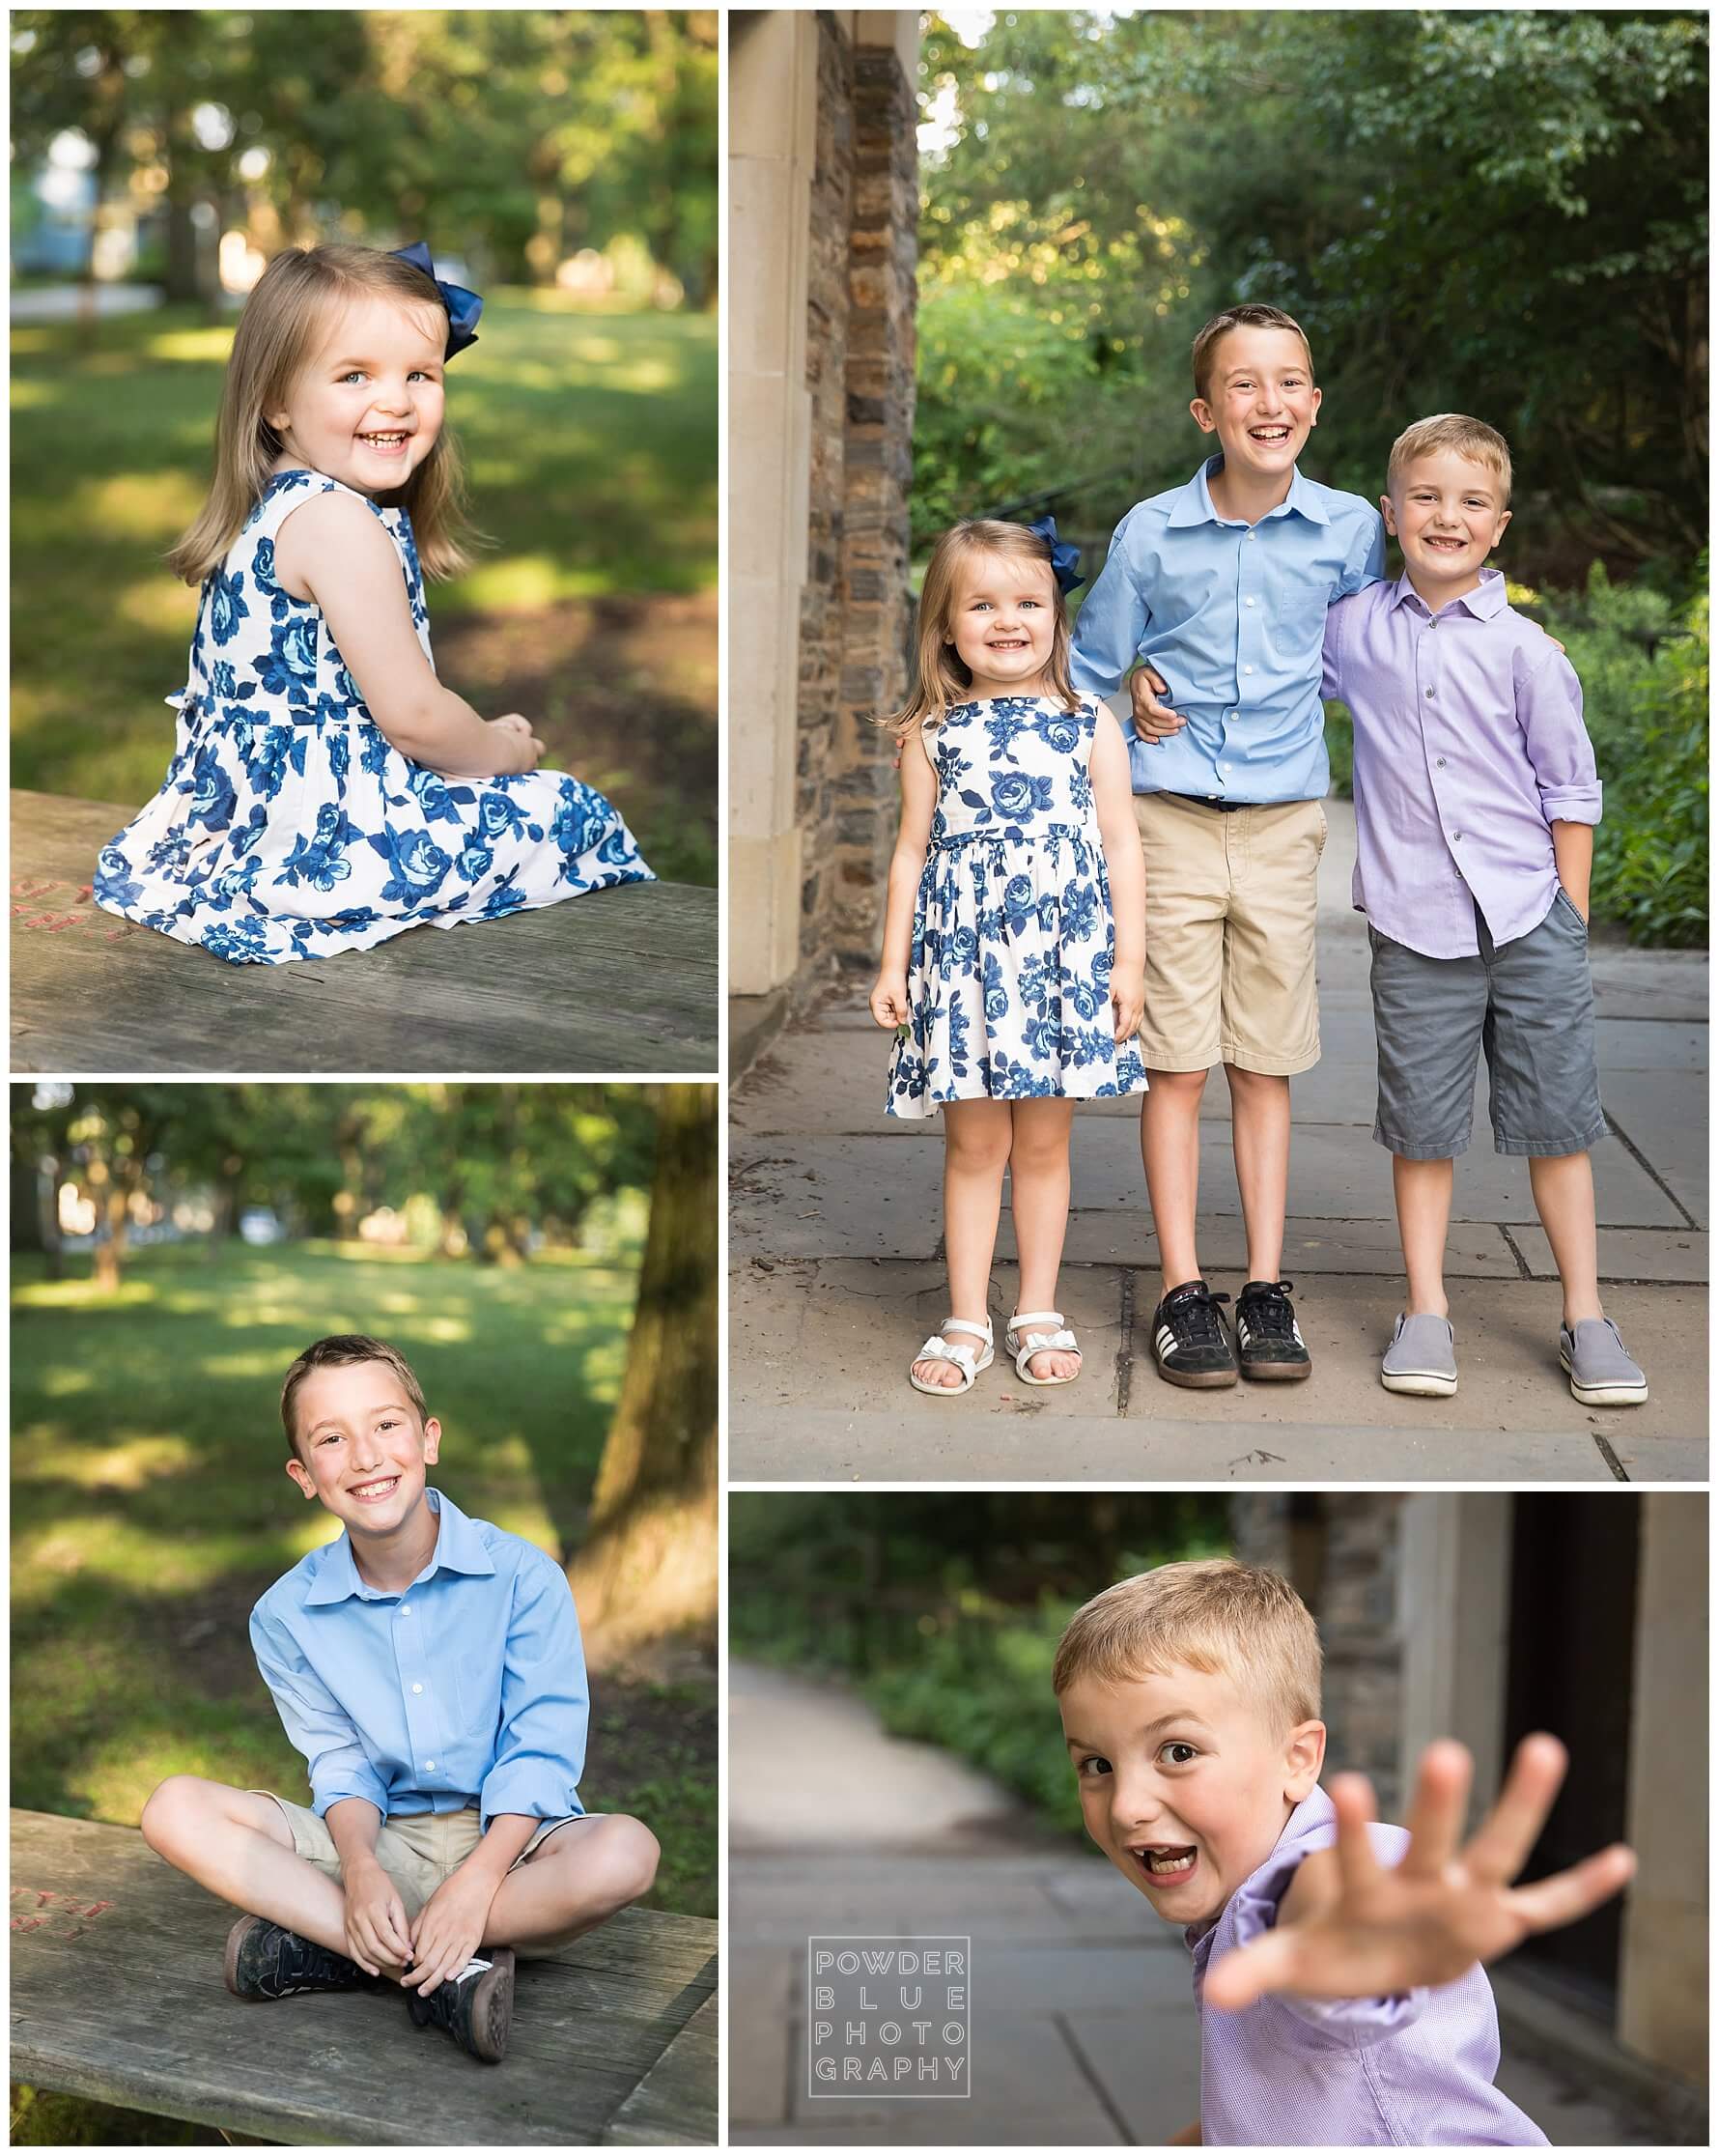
(428, 1668)
(1221, 587)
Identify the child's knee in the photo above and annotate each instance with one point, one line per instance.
(1181, 1086)
(986, 1148)
(618, 1860)
(175, 1815)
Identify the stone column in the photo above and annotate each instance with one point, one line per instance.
(1662, 2010)
(1456, 1621)
(773, 120)
(883, 257)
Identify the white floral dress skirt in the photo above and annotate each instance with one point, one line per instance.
(1009, 974)
(288, 826)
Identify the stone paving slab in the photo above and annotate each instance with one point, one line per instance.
(825, 1357)
(1670, 1255)
(1652, 1109)
(1476, 1250)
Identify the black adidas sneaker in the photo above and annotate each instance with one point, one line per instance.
(1268, 1341)
(266, 1961)
(476, 2008)
(1189, 1343)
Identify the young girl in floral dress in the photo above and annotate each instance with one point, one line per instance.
(1013, 990)
(325, 790)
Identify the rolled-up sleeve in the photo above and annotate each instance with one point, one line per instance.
(540, 1745)
(1113, 620)
(314, 1721)
(1549, 712)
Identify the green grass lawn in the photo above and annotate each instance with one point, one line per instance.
(591, 446)
(150, 1506)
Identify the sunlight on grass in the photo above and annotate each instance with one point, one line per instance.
(211, 344)
(316, 1530)
(156, 603)
(31, 396)
(146, 505)
(127, 1467)
(514, 587)
(114, 1550)
(84, 1294)
(61, 1384)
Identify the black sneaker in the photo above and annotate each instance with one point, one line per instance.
(1268, 1341)
(1189, 1343)
(476, 2009)
(266, 1961)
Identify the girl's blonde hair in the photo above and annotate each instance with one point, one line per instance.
(941, 675)
(1212, 1615)
(284, 319)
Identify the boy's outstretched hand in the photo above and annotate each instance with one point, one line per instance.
(1354, 1928)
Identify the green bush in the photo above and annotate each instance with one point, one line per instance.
(1642, 660)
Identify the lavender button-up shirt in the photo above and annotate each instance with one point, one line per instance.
(1469, 745)
(1410, 2072)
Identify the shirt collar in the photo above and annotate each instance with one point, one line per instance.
(458, 1548)
(1194, 506)
(1313, 1813)
(1491, 597)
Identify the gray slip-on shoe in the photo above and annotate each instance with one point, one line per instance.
(1598, 1365)
(1422, 1357)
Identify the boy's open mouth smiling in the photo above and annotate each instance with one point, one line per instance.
(373, 1492)
(1165, 1861)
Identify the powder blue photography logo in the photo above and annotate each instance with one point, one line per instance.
(889, 2015)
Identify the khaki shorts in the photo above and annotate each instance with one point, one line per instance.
(417, 1849)
(1231, 907)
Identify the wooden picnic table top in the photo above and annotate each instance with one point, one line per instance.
(614, 980)
(116, 1995)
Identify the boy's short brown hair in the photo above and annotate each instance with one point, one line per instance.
(337, 1353)
(1213, 1615)
(1454, 430)
(1248, 317)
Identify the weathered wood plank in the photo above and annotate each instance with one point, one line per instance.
(677, 2098)
(116, 1995)
(617, 980)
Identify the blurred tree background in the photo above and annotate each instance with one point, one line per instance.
(943, 1609)
(1500, 212)
(564, 164)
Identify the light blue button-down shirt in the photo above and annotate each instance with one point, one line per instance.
(468, 1686)
(1232, 615)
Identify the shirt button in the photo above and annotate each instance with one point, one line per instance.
(1249, 670)
(417, 1688)
(1440, 762)
(1231, 715)
(1433, 692)
(1455, 837)
(1250, 601)
(1247, 535)
(428, 1766)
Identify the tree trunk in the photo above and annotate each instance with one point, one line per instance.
(648, 1566)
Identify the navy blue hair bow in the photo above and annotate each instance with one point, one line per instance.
(464, 308)
(1065, 560)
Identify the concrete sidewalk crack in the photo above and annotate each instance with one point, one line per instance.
(1061, 2025)
(1619, 1473)
(1648, 1169)
(1125, 1345)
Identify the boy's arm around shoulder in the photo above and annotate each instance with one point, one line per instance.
(314, 1721)
(546, 1701)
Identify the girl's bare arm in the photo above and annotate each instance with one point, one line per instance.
(1113, 798)
(335, 551)
(919, 804)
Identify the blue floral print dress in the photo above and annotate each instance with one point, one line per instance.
(288, 826)
(1009, 974)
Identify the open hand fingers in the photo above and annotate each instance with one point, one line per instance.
(1440, 1808)
(1512, 1827)
(1352, 1798)
(1570, 1894)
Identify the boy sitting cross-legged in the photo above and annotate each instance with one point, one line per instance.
(1476, 796)
(429, 1667)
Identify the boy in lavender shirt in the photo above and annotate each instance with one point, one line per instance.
(1474, 800)
(1337, 1963)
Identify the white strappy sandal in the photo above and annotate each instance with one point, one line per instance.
(1023, 1344)
(965, 1359)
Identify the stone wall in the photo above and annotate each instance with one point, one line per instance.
(860, 372)
(1343, 1556)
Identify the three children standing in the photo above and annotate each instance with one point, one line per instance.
(1247, 596)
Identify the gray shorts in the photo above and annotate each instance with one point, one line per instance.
(1528, 1007)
